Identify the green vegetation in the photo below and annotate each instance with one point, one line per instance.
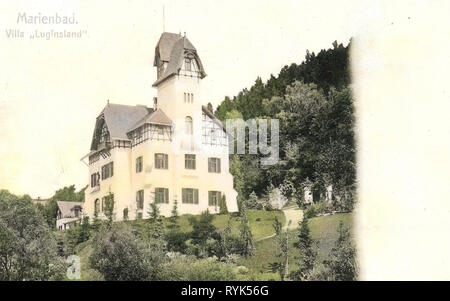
(323, 231)
(260, 222)
(28, 249)
(314, 106)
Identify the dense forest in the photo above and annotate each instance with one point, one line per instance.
(314, 105)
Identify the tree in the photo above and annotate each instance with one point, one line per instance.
(306, 255)
(342, 263)
(223, 205)
(120, 256)
(252, 202)
(202, 226)
(28, 248)
(246, 235)
(109, 208)
(173, 220)
(155, 226)
(314, 104)
(281, 265)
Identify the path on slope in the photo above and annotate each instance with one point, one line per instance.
(292, 214)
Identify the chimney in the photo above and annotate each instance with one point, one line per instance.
(155, 103)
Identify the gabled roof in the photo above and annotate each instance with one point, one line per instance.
(165, 45)
(172, 48)
(120, 118)
(156, 117)
(66, 208)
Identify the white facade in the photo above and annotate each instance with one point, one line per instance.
(177, 127)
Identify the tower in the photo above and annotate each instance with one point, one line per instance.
(179, 74)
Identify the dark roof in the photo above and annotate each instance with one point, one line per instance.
(156, 117)
(120, 118)
(165, 45)
(172, 48)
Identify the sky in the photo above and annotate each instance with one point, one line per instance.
(52, 90)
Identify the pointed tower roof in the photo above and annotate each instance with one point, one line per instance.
(171, 49)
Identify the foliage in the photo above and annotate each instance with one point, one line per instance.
(173, 220)
(204, 242)
(306, 253)
(316, 209)
(28, 249)
(252, 202)
(119, 255)
(315, 107)
(281, 264)
(342, 263)
(109, 208)
(76, 235)
(246, 235)
(223, 205)
(189, 268)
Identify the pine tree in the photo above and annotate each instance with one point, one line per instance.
(155, 229)
(281, 265)
(173, 220)
(306, 254)
(342, 263)
(223, 205)
(245, 232)
(252, 201)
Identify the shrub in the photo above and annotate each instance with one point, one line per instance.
(119, 255)
(176, 241)
(318, 209)
(28, 248)
(188, 268)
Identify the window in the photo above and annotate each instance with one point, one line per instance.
(214, 165)
(189, 196)
(188, 97)
(140, 200)
(139, 162)
(139, 215)
(160, 129)
(161, 161)
(107, 170)
(125, 214)
(161, 195)
(189, 161)
(95, 179)
(187, 64)
(188, 125)
(214, 198)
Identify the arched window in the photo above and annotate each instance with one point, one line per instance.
(188, 125)
(96, 206)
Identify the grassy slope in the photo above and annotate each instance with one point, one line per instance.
(261, 228)
(323, 230)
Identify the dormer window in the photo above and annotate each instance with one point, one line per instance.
(187, 64)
